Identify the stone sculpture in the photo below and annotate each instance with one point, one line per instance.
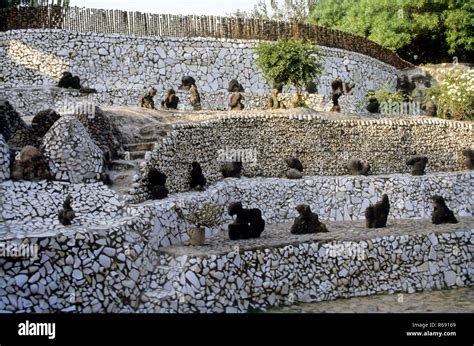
(376, 215)
(272, 99)
(67, 214)
(69, 81)
(373, 106)
(156, 184)
(356, 167)
(231, 169)
(336, 93)
(30, 165)
(197, 181)
(307, 222)
(189, 83)
(311, 88)
(147, 100)
(235, 102)
(468, 154)
(235, 86)
(170, 101)
(431, 109)
(418, 163)
(295, 168)
(441, 212)
(248, 223)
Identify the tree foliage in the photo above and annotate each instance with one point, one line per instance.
(288, 62)
(419, 30)
(32, 3)
(289, 10)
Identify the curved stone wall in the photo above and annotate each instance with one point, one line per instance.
(121, 67)
(323, 146)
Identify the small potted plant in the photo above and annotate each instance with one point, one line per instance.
(209, 215)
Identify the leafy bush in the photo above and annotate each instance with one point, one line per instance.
(209, 215)
(386, 95)
(288, 62)
(454, 95)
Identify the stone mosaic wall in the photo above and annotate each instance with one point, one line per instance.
(121, 67)
(323, 146)
(4, 160)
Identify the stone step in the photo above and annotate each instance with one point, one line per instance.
(123, 165)
(139, 154)
(147, 146)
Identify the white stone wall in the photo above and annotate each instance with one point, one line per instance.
(324, 146)
(124, 66)
(4, 160)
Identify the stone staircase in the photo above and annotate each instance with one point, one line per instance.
(123, 169)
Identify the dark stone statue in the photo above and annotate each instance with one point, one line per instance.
(431, 109)
(147, 100)
(356, 167)
(231, 169)
(235, 102)
(373, 106)
(468, 154)
(295, 168)
(156, 184)
(198, 181)
(67, 214)
(376, 215)
(30, 165)
(248, 223)
(189, 83)
(336, 93)
(311, 88)
(307, 222)
(418, 163)
(170, 101)
(235, 86)
(69, 81)
(441, 212)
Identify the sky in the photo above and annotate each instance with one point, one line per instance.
(209, 7)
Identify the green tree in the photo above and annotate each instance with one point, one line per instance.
(288, 62)
(290, 10)
(419, 30)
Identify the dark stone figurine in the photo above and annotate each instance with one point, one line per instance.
(336, 93)
(418, 163)
(156, 184)
(235, 102)
(356, 167)
(147, 100)
(170, 101)
(66, 215)
(431, 109)
(311, 88)
(198, 181)
(441, 212)
(373, 106)
(295, 168)
(248, 224)
(231, 169)
(189, 83)
(69, 81)
(272, 99)
(307, 222)
(376, 215)
(235, 86)
(468, 154)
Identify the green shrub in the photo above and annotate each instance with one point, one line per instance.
(454, 95)
(288, 62)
